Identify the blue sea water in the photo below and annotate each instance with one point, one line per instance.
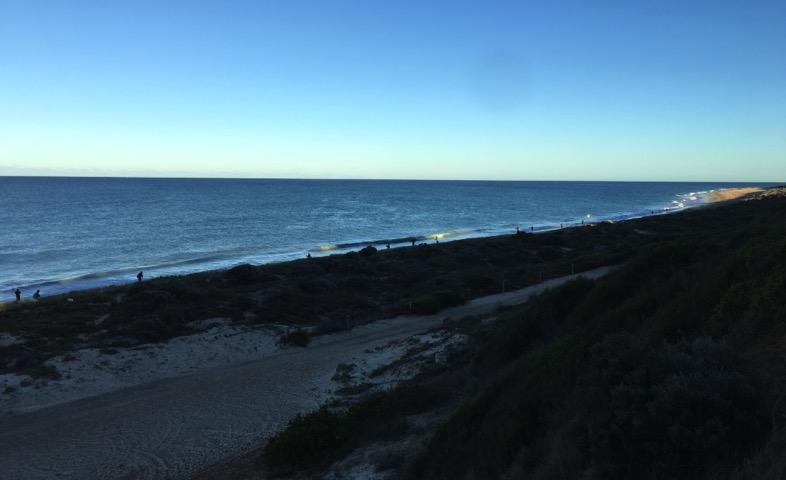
(62, 234)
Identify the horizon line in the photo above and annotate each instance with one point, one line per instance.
(344, 179)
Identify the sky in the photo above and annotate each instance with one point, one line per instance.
(659, 90)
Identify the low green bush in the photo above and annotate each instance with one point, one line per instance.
(433, 303)
(243, 274)
(664, 412)
(150, 328)
(354, 389)
(298, 338)
(144, 299)
(482, 284)
(308, 440)
(49, 372)
(344, 372)
(318, 438)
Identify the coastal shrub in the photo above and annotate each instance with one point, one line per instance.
(433, 303)
(144, 299)
(242, 274)
(450, 298)
(264, 276)
(387, 460)
(15, 358)
(174, 315)
(280, 303)
(664, 413)
(735, 293)
(344, 372)
(641, 412)
(314, 286)
(506, 421)
(559, 301)
(358, 283)
(554, 239)
(332, 325)
(150, 329)
(352, 390)
(482, 284)
(443, 262)
(423, 305)
(298, 338)
(599, 259)
(180, 288)
(309, 440)
(423, 251)
(540, 320)
(48, 372)
(321, 437)
(549, 253)
(731, 308)
(647, 286)
(751, 309)
(242, 303)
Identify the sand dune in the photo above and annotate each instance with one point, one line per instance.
(173, 423)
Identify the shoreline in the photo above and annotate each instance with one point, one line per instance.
(113, 279)
(218, 341)
(733, 194)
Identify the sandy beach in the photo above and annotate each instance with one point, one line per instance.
(731, 194)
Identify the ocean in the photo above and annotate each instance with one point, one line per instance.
(63, 234)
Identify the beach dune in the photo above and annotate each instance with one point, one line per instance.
(731, 194)
(177, 426)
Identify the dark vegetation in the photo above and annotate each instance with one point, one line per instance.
(310, 296)
(315, 440)
(671, 367)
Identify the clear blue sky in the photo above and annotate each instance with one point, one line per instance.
(519, 90)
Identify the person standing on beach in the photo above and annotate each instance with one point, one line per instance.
(18, 294)
(139, 276)
(37, 295)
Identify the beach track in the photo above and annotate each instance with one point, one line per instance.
(175, 428)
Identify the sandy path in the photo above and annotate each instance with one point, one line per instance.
(175, 427)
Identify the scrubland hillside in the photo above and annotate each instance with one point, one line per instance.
(672, 367)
